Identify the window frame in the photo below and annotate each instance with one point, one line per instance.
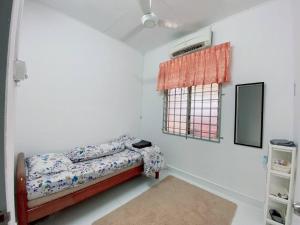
(188, 117)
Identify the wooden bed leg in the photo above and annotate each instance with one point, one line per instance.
(21, 192)
(156, 175)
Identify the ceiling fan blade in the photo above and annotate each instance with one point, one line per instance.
(168, 24)
(145, 6)
(133, 32)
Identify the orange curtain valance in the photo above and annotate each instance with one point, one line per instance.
(208, 66)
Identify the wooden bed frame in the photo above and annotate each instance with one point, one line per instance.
(27, 215)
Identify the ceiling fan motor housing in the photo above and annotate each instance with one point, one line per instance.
(149, 20)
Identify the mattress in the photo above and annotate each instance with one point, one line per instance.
(81, 173)
(49, 198)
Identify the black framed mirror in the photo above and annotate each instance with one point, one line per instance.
(249, 112)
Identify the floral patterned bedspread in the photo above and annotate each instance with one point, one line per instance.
(81, 173)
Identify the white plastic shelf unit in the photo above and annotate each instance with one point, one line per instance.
(280, 182)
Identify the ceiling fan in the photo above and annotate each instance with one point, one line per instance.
(150, 20)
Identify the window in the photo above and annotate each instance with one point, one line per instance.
(193, 112)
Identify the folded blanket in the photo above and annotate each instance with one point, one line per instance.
(152, 156)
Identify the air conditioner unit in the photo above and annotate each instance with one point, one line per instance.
(192, 43)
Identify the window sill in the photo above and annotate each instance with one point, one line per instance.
(218, 140)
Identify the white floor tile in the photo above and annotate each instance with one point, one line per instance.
(87, 212)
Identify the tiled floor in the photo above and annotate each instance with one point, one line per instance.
(89, 211)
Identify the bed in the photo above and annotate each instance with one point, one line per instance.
(42, 195)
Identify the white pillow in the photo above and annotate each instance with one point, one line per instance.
(47, 164)
(89, 152)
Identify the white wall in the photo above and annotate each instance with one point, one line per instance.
(296, 27)
(262, 51)
(83, 86)
(10, 96)
(77, 95)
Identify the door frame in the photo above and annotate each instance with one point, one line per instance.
(296, 218)
(9, 123)
(295, 7)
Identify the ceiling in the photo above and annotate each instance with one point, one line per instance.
(117, 18)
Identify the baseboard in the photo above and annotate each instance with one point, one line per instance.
(211, 186)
